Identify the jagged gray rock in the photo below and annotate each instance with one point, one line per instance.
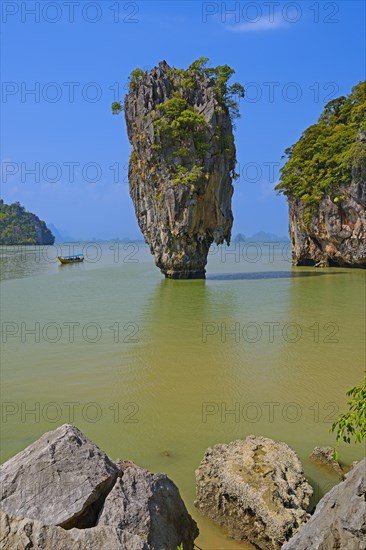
(256, 488)
(339, 520)
(25, 533)
(62, 492)
(58, 480)
(149, 505)
(180, 220)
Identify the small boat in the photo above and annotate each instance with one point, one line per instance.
(71, 259)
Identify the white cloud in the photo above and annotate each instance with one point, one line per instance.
(263, 24)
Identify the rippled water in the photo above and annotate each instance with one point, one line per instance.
(158, 370)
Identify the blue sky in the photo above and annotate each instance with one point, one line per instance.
(292, 57)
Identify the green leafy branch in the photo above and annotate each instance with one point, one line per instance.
(352, 424)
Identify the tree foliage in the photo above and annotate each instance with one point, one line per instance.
(228, 95)
(135, 77)
(352, 424)
(18, 227)
(221, 75)
(179, 122)
(327, 154)
(116, 108)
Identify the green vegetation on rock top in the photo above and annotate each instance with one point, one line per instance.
(187, 79)
(18, 227)
(221, 74)
(328, 153)
(179, 123)
(182, 134)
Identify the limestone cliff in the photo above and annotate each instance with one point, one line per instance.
(325, 184)
(336, 234)
(182, 162)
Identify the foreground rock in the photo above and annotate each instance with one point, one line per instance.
(325, 455)
(59, 480)
(64, 492)
(25, 533)
(339, 520)
(181, 166)
(148, 505)
(256, 488)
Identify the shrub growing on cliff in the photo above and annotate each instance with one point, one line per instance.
(226, 93)
(327, 154)
(179, 123)
(221, 75)
(135, 77)
(116, 108)
(188, 177)
(180, 120)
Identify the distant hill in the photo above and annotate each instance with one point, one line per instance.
(269, 237)
(260, 236)
(17, 226)
(60, 236)
(239, 238)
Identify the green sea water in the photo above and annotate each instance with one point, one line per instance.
(157, 370)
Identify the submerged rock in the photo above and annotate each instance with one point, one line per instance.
(64, 492)
(325, 455)
(256, 488)
(339, 520)
(181, 166)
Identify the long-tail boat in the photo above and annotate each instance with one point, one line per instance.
(71, 259)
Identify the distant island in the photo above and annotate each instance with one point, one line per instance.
(19, 227)
(60, 235)
(260, 236)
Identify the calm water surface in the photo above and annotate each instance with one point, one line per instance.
(157, 370)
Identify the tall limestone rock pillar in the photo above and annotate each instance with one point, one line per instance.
(181, 165)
